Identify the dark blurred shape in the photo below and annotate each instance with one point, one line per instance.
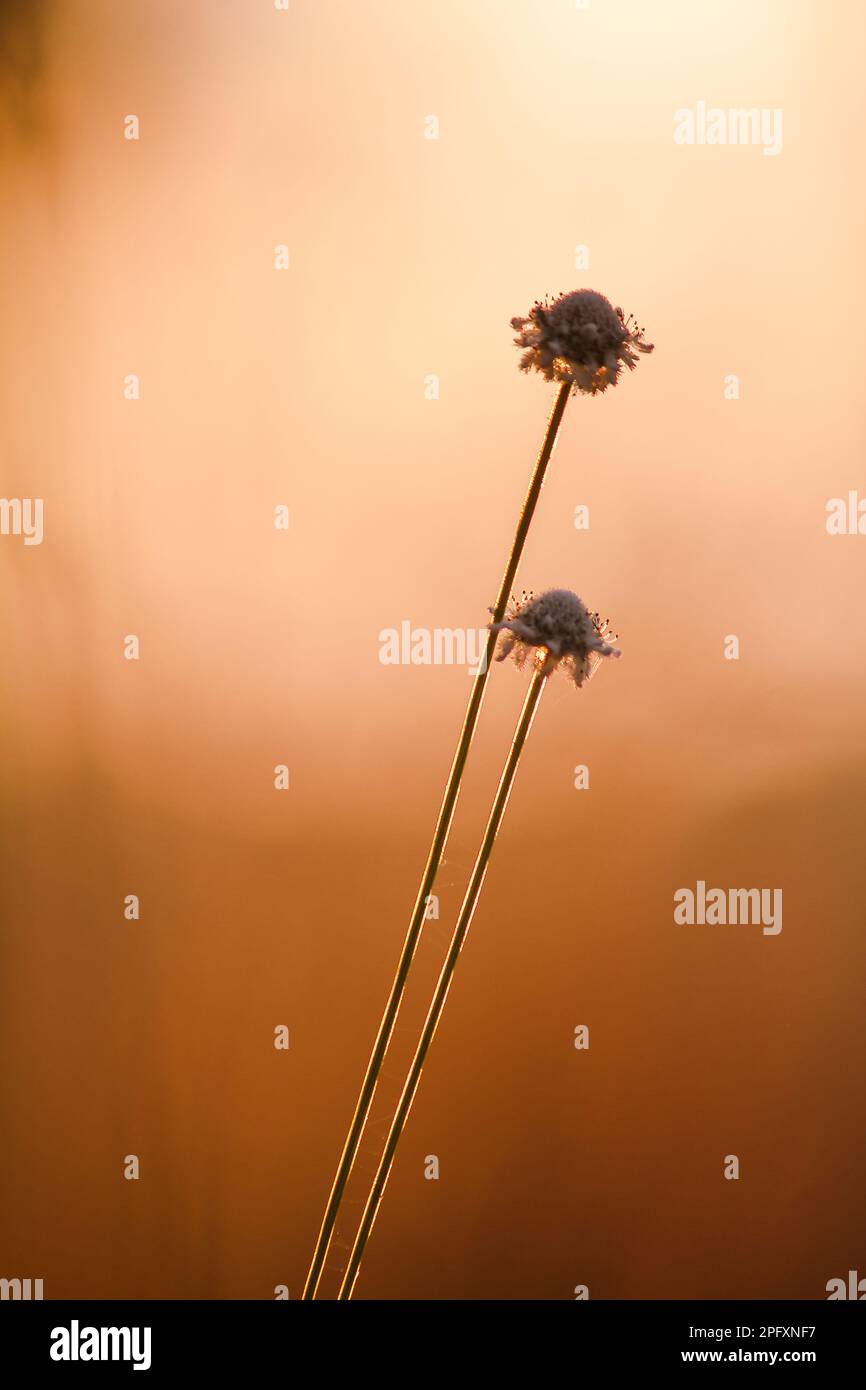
(23, 25)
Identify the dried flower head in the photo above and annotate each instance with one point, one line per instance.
(561, 630)
(580, 338)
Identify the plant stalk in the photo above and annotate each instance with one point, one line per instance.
(467, 911)
(437, 849)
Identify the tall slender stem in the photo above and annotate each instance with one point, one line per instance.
(467, 911)
(437, 849)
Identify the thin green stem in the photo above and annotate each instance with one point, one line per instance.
(467, 911)
(437, 849)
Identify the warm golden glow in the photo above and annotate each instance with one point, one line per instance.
(306, 387)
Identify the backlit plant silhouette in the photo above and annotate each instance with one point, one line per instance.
(582, 342)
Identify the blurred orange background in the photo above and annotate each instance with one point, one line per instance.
(306, 387)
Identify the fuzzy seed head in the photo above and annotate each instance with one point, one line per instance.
(579, 337)
(558, 630)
